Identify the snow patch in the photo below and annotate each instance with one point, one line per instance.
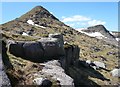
(117, 39)
(111, 32)
(39, 26)
(32, 23)
(94, 34)
(25, 34)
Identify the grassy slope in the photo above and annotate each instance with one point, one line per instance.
(70, 35)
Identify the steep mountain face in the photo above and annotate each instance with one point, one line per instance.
(37, 24)
(100, 32)
(116, 35)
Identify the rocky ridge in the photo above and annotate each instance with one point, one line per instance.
(100, 32)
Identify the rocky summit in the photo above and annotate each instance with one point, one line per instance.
(100, 32)
(38, 50)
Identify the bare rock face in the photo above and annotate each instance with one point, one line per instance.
(57, 36)
(50, 47)
(54, 69)
(71, 56)
(33, 50)
(16, 49)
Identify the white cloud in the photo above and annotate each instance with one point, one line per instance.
(75, 18)
(77, 21)
(95, 22)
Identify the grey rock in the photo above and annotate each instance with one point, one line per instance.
(47, 48)
(16, 49)
(52, 47)
(42, 82)
(115, 72)
(75, 52)
(4, 80)
(52, 68)
(33, 50)
(99, 64)
(38, 81)
(58, 36)
(71, 56)
(94, 48)
(46, 83)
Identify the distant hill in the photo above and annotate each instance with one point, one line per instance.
(100, 32)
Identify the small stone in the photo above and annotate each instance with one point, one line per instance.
(115, 72)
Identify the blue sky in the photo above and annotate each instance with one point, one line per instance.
(75, 14)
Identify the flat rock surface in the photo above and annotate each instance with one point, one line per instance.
(53, 68)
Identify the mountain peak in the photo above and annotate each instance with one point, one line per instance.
(101, 29)
(98, 27)
(38, 8)
(38, 12)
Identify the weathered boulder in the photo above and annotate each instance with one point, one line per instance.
(38, 81)
(16, 49)
(99, 64)
(115, 72)
(68, 57)
(52, 47)
(71, 55)
(54, 69)
(58, 36)
(45, 48)
(33, 50)
(75, 52)
(46, 83)
(42, 82)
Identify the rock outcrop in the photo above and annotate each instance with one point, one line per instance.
(53, 68)
(4, 80)
(42, 24)
(48, 48)
(71, 55)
